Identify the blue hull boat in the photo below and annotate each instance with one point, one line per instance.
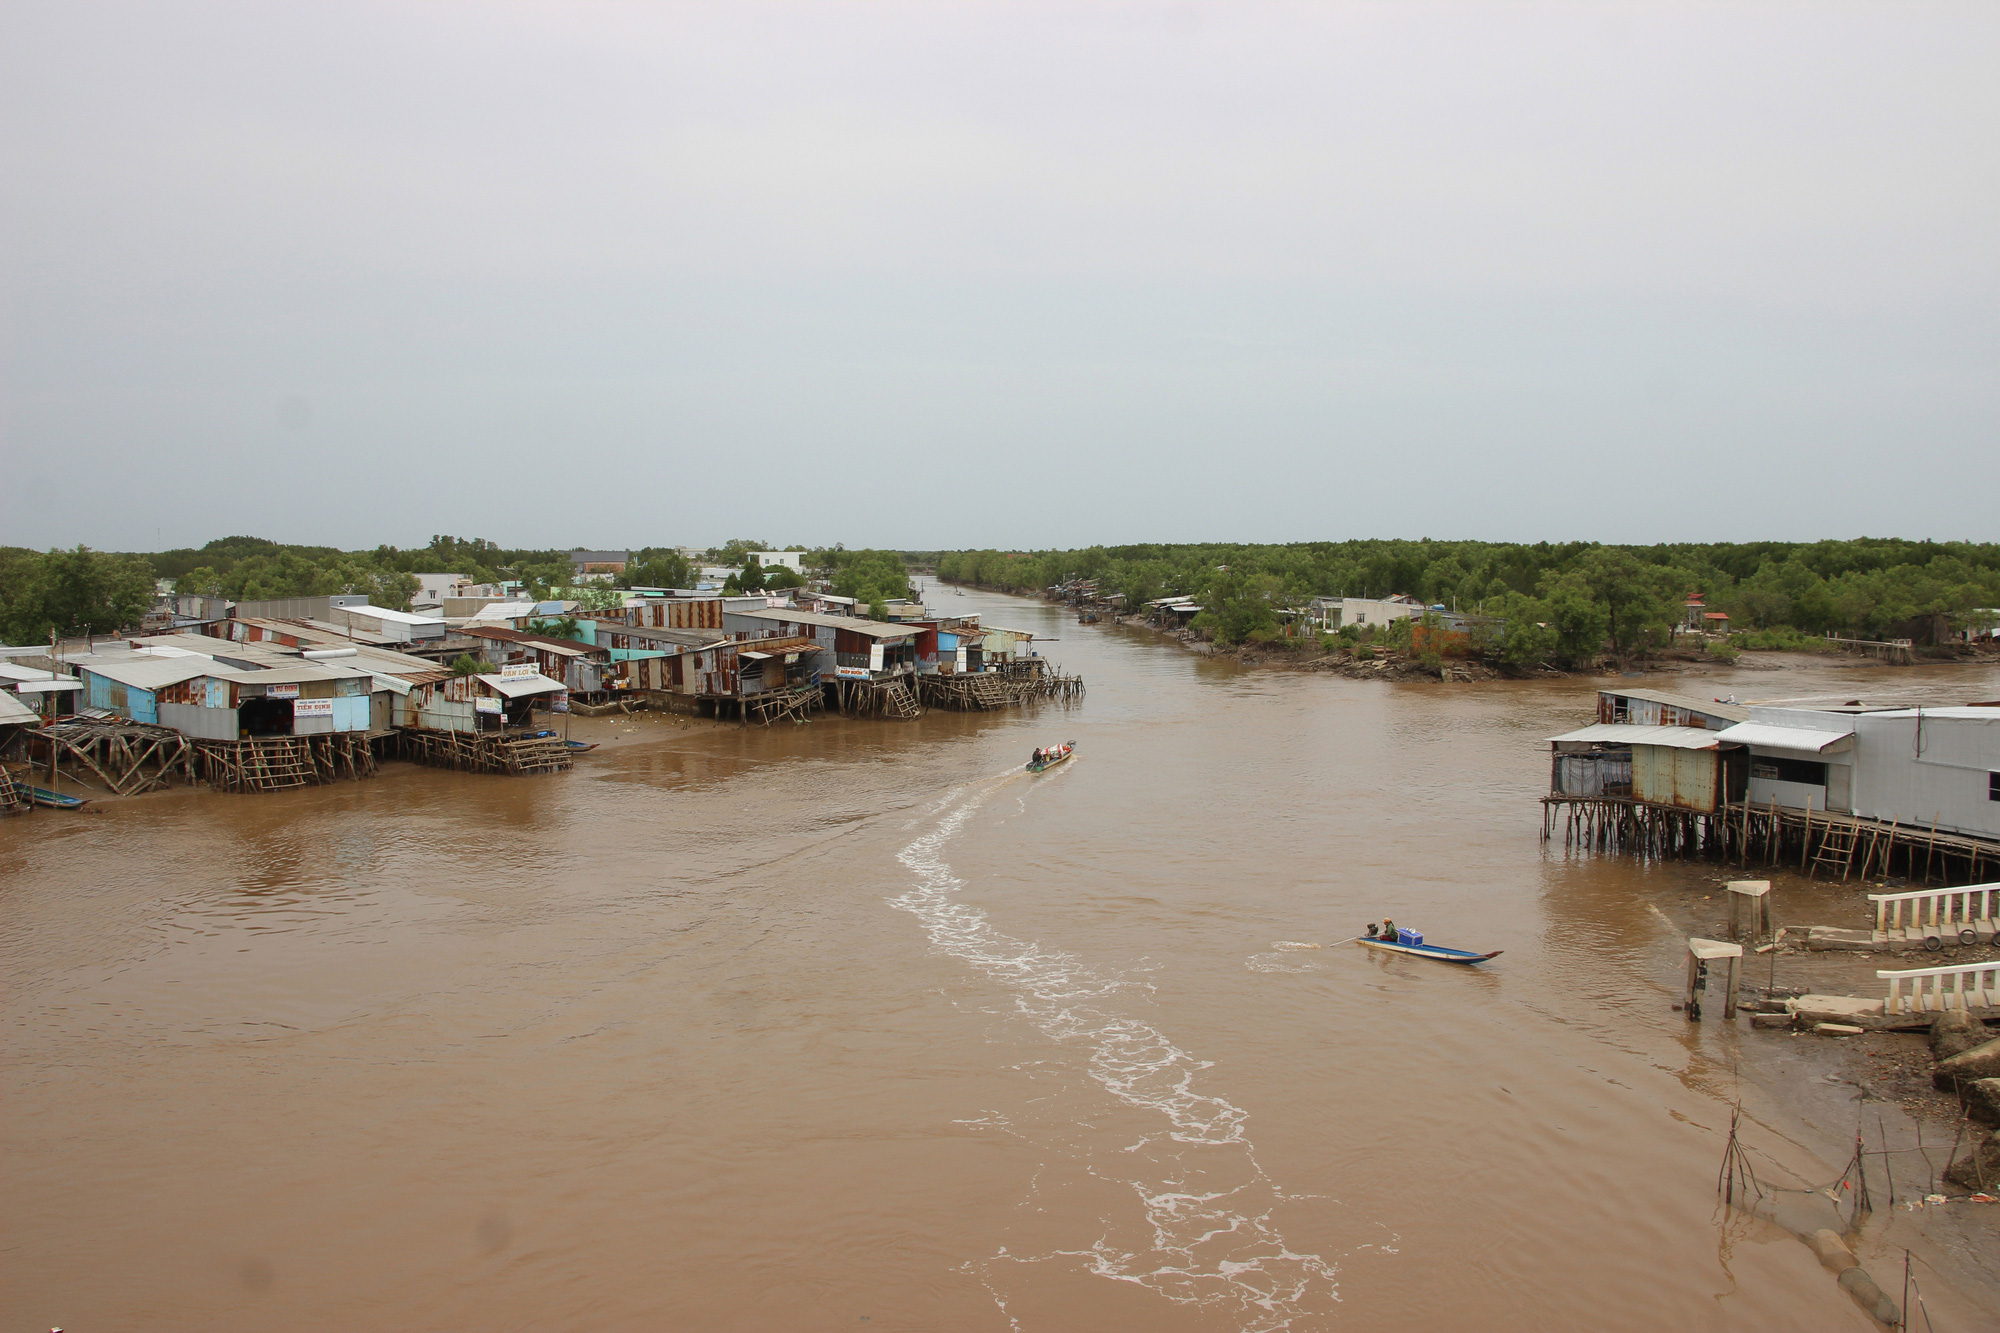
(1437, 951)
(55, 800)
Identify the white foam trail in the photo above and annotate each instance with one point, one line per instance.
(1210, 1244)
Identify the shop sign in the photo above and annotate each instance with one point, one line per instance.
(851, 673)
(282, 691)
(311, 708)
(515, 670)
(560, 702)
(486, 703)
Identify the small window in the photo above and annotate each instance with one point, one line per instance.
(1993, 786)
(1772, 769)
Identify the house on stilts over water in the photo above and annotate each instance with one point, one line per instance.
(1847, 790)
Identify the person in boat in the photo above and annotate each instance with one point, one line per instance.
(1388, 930)
(1037, 756)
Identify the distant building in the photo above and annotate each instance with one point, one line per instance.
(1328, 614)
(586, 563)
(434, 590)
(792, 560)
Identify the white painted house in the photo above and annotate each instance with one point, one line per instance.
(1916, 766)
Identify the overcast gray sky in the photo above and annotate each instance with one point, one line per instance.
(941, 275)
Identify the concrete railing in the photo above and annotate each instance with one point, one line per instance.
(1949, 913)
(1929, 995)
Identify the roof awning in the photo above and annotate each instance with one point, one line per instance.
(393, 684)
(518, 687)
(1634, 733)
(47, 686)
(1811, 740)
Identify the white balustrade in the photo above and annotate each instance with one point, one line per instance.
(1928, 993)
(1948, 912)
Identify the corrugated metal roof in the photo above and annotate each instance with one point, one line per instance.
(1734, 712)
(8, 671)
(290, 674)
(1773, 737)
(515, 687)
(392, 616)
(13, 711)
(1957, 712)
(684, 638)
(1630, 733)
(149, 673)
(874, 629)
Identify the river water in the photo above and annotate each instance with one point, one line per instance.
(858, 1025)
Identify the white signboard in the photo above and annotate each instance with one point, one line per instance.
(281, 691)
(560, 702)
(486, 703)
(513, 670)
(851, 673)
(311, 708)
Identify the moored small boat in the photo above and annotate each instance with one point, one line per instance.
(1050, 756)
(579, 747)
(1437, 951)
(55, 800)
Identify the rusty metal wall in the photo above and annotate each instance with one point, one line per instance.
(1685, 779)
(694, 613)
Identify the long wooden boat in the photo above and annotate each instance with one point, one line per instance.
(55, 800)
(1437, 951)
(580, 747)
(1037, 765)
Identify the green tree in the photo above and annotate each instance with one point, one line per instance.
(1237, 608)
(1578, 619)
(779, 576)
(655, 568)
(78, 591)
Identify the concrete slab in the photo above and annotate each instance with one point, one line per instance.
(1833, 937)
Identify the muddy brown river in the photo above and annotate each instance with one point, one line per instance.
(857, 1025)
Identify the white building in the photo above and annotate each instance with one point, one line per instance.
(792, 560)
(383, 623)
(1917, 766)
(432, 589)
(1328, 614)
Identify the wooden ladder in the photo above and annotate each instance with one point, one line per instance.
(899, 700)
(1836, 849)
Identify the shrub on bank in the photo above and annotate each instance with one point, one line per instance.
(1782, 638)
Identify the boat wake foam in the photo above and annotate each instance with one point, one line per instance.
(1205, 1233)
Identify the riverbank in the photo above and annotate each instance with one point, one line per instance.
(1871, 1086)
(1368, 662)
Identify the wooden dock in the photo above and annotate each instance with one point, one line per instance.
(280, 763)
(481, 752)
